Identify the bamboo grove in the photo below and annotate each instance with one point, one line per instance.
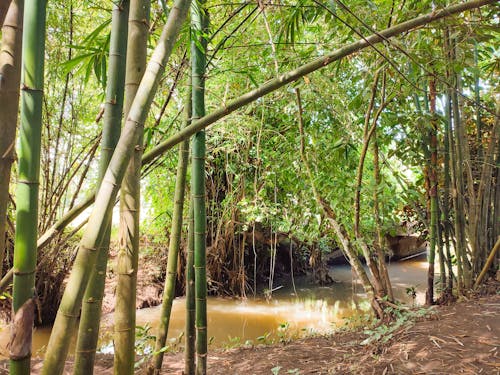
(310, 124)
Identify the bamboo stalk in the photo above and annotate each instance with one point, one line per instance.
(174, 245)
(30, 132)
(433, 195)
(10, 71)
(265, 89)
(67, 314)
(488, 263)
(199, 25)
(305, 69)
(190, 349)
(4, 7)
(128, 254)
(88, 332)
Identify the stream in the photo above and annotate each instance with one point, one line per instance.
(233, 322)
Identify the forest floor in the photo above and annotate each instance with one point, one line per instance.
(460, 338)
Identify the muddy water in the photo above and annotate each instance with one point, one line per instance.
(298, 311)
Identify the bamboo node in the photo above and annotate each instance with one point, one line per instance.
(89, 248)
(86, 350)
(21, 273)
(93, 300)
(131, 84)
(137, 123)
(69, 315)
(128, 273)
(157, 63)
(108, 181)
(139, 21)
(26, 88)
(27, 182)
(123, 330)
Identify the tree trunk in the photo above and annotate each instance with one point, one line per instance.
(27, 186)
(68, 312)
(379, 242)
(340, 232)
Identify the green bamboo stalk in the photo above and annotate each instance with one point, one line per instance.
(190, 351)
(488, 263)
(446, 194)
(10, 71)
(50, 233)
(477, 97)
(251, 96)
(174, 245)
(293, 75)
(128, 253)
(88, 333)
(67, 315)
(457, 210)
(484, 196)
(434, 222)
(27, 186)
(199, 26)
(460, 211)
(495, 215)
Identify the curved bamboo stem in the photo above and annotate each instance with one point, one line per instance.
(304, 70)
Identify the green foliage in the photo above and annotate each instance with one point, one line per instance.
(265, 339)
(145, 343)
(144, 340)
(402, 318)
(92, 55)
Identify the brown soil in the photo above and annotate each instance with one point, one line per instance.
(150, 281)
(462, 338)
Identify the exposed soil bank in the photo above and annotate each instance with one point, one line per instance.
(462, 338)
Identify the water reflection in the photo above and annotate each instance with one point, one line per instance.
(312, 309)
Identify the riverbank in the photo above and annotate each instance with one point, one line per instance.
(462, 338)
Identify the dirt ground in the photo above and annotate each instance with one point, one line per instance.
(462, 338)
